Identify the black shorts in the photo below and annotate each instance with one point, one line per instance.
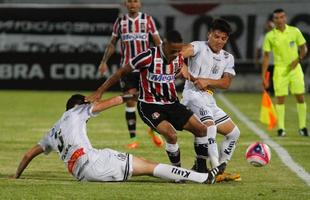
(130, 81)
(152, 114)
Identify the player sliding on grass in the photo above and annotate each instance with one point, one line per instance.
(158, 103)
(211, 67)
(69, 138)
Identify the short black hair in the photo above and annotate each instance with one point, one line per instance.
(76, 99)
(222, 25)
(174, 36)
(278, 10)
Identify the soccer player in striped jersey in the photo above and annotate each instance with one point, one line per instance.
(212, 68)
(158, 103)
(69, 138)
(133, 30)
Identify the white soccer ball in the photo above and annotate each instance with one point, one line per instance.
(258, 154)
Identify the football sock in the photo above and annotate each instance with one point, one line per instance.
(228, 145)
(173, 152)
(201, 149)
(169, 172)
(281, 115)
(302, 114)
(212, 146)
(131, 120)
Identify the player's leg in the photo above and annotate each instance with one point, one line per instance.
(297, 87)
(280, 83)
(197, 102)
(169, 172)
(130, 84)
(172, 147)
(130, 114)
(205, 139)
(155, 117)
(231, 133)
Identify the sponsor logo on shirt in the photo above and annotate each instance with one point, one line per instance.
(161, 78)
(134, 36)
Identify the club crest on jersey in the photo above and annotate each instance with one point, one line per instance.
(168, 70)
(155, 115)
(292, 44)
(142, 26)
(121, 156)
(203, 112)
(215, 69)
(158, 61)
(161, 78)
(175, 64)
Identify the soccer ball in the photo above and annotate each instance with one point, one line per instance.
(258, 154)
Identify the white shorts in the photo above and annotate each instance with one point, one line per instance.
(204, 106)
(106, 165)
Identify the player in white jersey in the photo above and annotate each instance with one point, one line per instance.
(211, 67)
(69, 138)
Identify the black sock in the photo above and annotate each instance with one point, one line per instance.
(175, 157)
(131, 123)
(201, 158)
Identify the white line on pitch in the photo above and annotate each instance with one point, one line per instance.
(282, 153)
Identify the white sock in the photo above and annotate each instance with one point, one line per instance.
(229, 144)
(212, 146)
(170, 172)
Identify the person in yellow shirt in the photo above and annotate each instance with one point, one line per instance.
(288, 47)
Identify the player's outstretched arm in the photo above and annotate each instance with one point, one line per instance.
(111, 102)
(96, 96)
(110, 49)
(206, 83)
(33, 152)
(187, 50)
(183, 73)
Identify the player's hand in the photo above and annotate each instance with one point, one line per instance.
(184, 72)
(13, 176)
(201, 83)
(96, 96)
(294, 63)
(103, 67)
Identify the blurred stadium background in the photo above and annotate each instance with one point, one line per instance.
(58, 44)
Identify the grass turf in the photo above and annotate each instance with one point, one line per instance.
(27, 115)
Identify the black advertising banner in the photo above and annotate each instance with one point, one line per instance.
(55, 48)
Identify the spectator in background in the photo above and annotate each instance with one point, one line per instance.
(269, 25)
(289, 48)
(132, 29)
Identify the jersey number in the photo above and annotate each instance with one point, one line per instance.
(60, 141)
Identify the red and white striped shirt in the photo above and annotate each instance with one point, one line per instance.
(157, 76)
(134, 34)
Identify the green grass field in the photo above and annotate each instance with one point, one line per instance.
(27, 115)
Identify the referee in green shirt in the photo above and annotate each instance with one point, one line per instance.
(288, 47)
